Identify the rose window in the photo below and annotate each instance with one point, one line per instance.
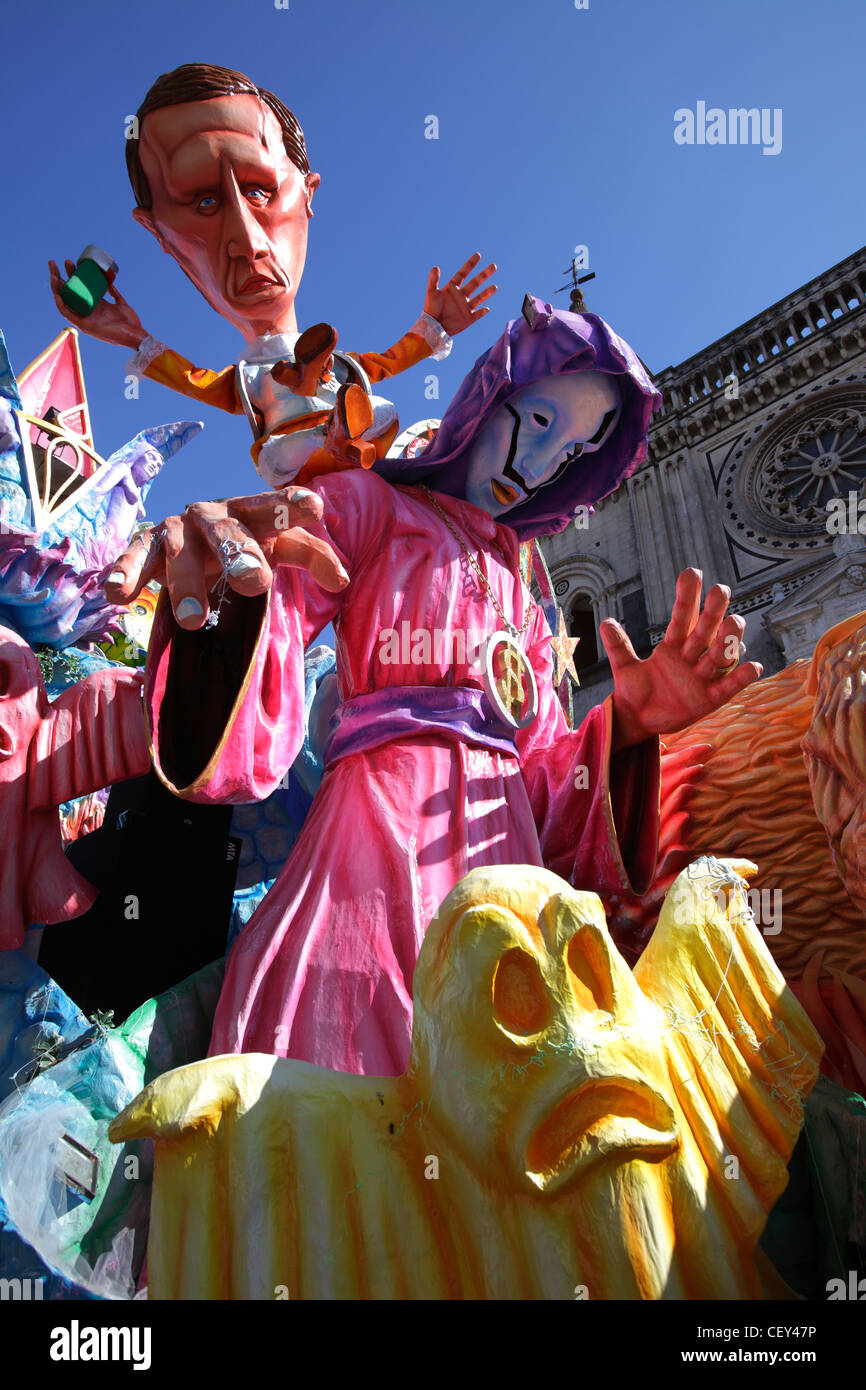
(775, 487)
(823, 459)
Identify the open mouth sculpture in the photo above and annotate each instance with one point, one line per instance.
(595, 1164)
(603, 1116)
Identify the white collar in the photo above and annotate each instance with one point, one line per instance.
(268, 347)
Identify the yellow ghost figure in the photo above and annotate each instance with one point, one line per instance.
(566, 1128)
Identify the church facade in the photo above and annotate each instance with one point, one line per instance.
(756, 474)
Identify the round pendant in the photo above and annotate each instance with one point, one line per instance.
(509, 680)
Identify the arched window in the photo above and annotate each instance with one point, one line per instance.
(581, 624)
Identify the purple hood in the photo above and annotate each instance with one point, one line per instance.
(557, 343)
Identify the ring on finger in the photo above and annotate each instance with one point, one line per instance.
(741, 652)
(235, 560)
(152, 538)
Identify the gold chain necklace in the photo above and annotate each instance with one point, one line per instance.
(477, 568)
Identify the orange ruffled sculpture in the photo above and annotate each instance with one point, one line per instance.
(567, 1127)
(779, 774)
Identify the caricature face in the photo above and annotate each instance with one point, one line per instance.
(539, 432)
(229, 206)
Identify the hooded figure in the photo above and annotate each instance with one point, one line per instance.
(542, 343)
(449, 749)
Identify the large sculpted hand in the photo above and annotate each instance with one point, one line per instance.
(242, 538)
(111, 322)
(694, 670)
(456, 305)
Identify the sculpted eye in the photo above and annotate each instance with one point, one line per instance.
(206, 202)
(520, 999)
(540, 419)
(258, 195)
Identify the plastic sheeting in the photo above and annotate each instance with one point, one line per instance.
(98, 1243)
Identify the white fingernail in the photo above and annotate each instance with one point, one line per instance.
(300, 495)
(244, 564)
(116, 577)
(188, 608)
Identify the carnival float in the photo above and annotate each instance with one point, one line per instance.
(467, 1002)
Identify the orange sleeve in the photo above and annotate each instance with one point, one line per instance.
(214, 388)
(410, 349)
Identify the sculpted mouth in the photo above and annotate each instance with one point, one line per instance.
(255, 283)
(603, 1116)
(503, 493)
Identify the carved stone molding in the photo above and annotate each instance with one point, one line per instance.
(775, 488)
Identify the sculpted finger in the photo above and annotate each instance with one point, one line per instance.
(726, 648)
(686, 606)
(433, 280)
(63, 307)
(300, 548)
(268, 513)
(485, 294)
(135, 568)
(459, 275)
(185, 572)
(232, 549)
(617, 644)
(728, 686)
(472, 285)
(702, 635)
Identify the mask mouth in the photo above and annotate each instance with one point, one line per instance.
(504, 494)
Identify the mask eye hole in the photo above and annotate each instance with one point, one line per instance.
(604, 426)
(540, 419)
(520, 999)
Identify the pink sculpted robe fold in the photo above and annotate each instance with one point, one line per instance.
(323, 971)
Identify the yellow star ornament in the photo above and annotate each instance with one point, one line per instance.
(564, 646)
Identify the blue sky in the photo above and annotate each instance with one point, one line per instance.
(555, 128)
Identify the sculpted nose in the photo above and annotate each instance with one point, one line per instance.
(244, 236)
(540, 462)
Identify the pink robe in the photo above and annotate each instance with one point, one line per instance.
(323, 970)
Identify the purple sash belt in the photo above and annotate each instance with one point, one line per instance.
(368, 721)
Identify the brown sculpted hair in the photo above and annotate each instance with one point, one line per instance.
(200, 82)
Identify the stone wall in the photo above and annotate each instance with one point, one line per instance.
(757, 435)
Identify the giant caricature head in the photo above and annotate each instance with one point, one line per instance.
(553, 416)
(222, 180)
